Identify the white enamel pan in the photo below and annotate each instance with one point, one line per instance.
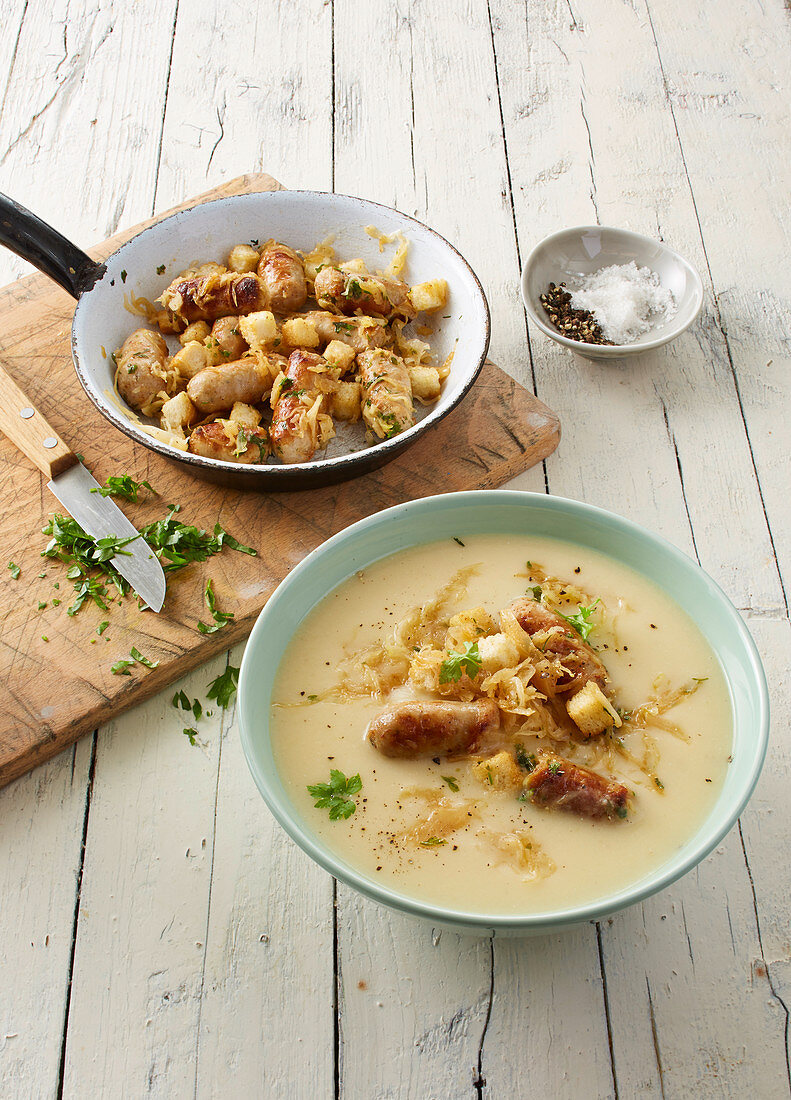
(145, 265)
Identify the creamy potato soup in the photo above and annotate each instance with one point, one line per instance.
(533, 725)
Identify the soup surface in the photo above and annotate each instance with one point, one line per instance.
(441, 830)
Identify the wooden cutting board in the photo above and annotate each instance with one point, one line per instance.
(53, 691)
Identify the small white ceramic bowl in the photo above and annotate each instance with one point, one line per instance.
(571, 254)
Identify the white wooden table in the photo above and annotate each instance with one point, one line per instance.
(159, 934)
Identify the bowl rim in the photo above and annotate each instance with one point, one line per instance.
(701, 844)
(609, 351)
(385, 450)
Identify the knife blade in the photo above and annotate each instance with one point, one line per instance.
(71, 483)
(102, 518)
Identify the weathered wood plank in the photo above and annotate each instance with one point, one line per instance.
(726, 80)
(43, 816)
(141, 935)
(583, 149)
(267, 1014)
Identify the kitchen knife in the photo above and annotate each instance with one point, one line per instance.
(72, 484)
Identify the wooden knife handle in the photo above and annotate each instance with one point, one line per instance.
(26, 427)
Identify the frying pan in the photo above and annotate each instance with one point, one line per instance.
(145, 265)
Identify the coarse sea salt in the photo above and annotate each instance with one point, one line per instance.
(625, 299)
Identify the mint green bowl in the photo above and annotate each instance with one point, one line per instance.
(507, 513)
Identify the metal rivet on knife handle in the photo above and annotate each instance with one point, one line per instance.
(27, 428)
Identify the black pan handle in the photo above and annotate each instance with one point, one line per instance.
(46, 249)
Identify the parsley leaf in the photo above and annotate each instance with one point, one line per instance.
(469, 661)
(223, 688)
(124, 487)
(221, 618)
(452, 783)
(15, 570)
(141, 660)
(581, 620)
(335, 796)
(526, 760)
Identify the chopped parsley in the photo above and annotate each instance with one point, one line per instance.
(241, 442)
(581, 620)
(192, 733)
(223, 688)
(89, 560)
(335, 796)
(221, 618)
(123, 276)
(344, 326)
(121, 668)
(452, 782)
(536, 592)
(41, 605)
(124, 487)
(554, 768)
(181, 699)
(161, 269)
(458, 541)
(432, 842)
(15, 570)
(141, 660)
(177, 543)
(526, 760)
(469, 661)
(658, 783)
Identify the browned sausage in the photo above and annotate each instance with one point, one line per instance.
(357, 332)
(283, 274)
(212, 441)
(387, 393)
(556, 783)
(433, 728)
(225, 342)
(295, 429)
(210, 296)
(141, 367)
(216, 389)
(375, 295)
(576, 655)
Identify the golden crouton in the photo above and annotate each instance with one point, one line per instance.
(426, 297)
(346, 401)
(499, 772)
(198, 330)
(497, 652)
(469, 626)
(259, 330)
(243, 258)
(177, 412)
(426, 385)
(354, 267)
(300, 333)
(192, 358)
(339, 354)
(245, 416)
(592, 711)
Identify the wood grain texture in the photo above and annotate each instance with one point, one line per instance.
(27, 432)
(53, 687)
